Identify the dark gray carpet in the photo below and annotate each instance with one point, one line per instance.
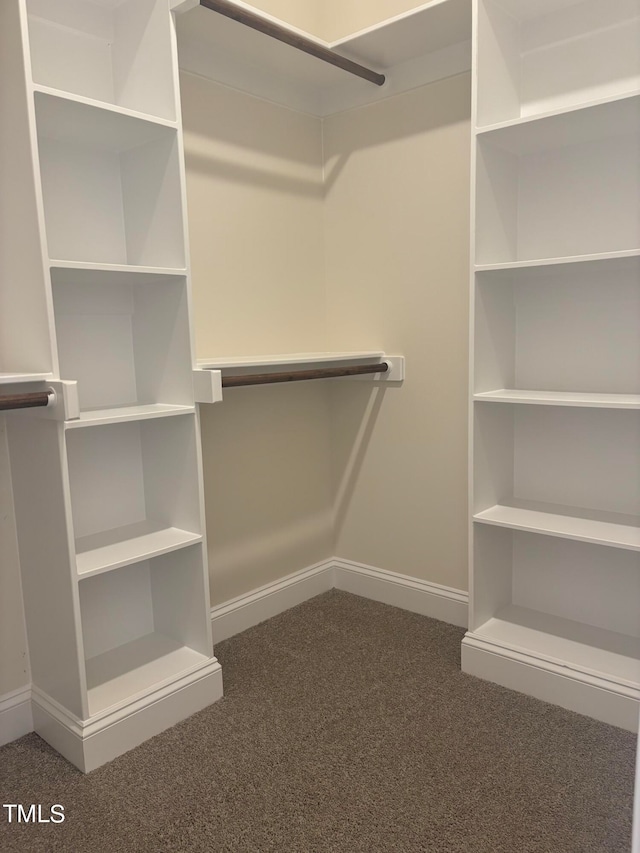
(346, 726)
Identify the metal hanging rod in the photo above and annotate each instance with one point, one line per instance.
(256, 22)
(300, 375)
(32, 400)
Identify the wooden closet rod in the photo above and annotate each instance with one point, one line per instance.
(300, 375)
(25, 401)
(250, 19)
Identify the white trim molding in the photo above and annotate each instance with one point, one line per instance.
(16, 716)
(90, 744)
(260, 604)
(586, 692)
(418, 596)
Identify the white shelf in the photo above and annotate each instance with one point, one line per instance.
(557, 199)
(627, 257)
(18, 378)
(134, 471)
(121, 414)
(561, 334)
(125, 339)
(530, 121)
(426, 29)
(83, 122)
(86, 271)
(534, 58)
(106, 108)
(423, 44)
(559, 128)
(618, 531)
(581, 457)
(123, 546)
(113, 52)
(560, 398)
(326, 359)
(110, 185)
(135, 667)
(565, 642)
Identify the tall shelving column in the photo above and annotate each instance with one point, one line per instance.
(109, 499)
(555, 420)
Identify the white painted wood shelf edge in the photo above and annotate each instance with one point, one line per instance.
(559, 398)
(60, 267)
(603, 257)
(79, 121)
(63, 95)
(127, 545)
(617, 531)
(119, 414)
(590, 114)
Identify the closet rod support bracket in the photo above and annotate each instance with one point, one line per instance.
(54, 400)
(65, 405)
(207, 385)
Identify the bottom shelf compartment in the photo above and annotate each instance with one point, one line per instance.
(136, 666)
(572, 603)
(143, 625)
(565, 642)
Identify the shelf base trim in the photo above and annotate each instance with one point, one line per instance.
(90, 744)
(594, 697)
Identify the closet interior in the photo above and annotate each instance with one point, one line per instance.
(133, 333)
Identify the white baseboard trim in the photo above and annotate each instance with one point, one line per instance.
(90, 744)
(253, 607)
(418, 596)
(16, 716)
(428, 599)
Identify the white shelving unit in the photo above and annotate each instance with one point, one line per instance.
(555, 387)
(108, 497)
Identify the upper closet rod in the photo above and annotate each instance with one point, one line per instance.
(250, 19)
(299, 375)
(31, 400)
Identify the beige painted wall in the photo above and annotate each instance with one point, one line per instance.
(396, 232)
(14, 661)
(393, 273)
(254, 186)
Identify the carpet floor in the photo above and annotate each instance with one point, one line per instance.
(346, 726)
